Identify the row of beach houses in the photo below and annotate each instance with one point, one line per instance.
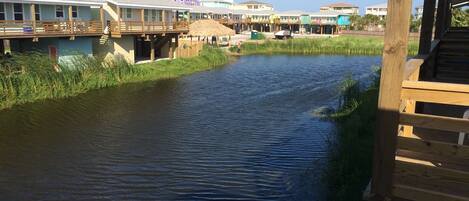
(133, 29)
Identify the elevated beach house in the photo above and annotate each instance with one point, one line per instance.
(143, 29)
(329, 22)
(60, 28)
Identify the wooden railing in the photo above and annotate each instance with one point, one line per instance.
(414, 90)
(290, 22)
(12, 28)
(130, 27)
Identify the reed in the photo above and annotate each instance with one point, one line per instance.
(344, 45)
(350, 156)
(29, 77)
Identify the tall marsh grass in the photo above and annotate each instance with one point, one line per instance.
(31, 77)
(347, 45)
(350, 156)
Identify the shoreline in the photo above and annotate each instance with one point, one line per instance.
(343, 45)
(18, 89)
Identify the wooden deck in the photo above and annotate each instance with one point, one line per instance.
(421, 146)
(56, 28)
(142, 28)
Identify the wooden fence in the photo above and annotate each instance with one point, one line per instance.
(188, 48)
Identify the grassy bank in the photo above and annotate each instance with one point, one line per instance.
(347, 45)
(29, 77)
(350, 160)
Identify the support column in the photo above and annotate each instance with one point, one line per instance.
(101, 17)
(163, 16)
(176, 47)
(440, 19)
(33, 17)
(118, 19)
(152, 48)
(171, 49)
(394, 60)
(142, 18)
(70, 19)
(427, 26)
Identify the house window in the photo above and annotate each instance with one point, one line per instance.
(153, 15)
(128, 13)
(2, 11)
(37, 11)
(59, 11)
(74, 12)
(17, 11)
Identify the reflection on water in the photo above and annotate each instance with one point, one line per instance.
(242, 132)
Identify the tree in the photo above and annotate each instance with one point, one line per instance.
(460, 18)
(415, 24)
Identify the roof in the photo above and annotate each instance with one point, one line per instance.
(63, 2)
(255, 2)
(164, 4)
(204, 9)
(383, 5)
(209, 27)
(254, 12)
(291, 13)
(340, 5)
(326, 14)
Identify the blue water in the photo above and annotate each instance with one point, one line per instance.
(240, 132)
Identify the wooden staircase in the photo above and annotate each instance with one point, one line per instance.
(453, 57)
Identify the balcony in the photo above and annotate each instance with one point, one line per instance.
(141, 27)
(49, 28)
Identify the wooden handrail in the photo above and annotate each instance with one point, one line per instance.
(435, 122)
(436, 92)
(43, 27)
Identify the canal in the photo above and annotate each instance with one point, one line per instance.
(240, 132)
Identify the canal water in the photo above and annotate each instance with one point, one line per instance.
(239, 132)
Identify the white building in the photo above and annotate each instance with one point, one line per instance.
(380, 10)
(344, 8)
(217, 3)
(253, 6)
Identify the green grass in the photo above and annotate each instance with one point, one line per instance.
(30, 77)
(350, 155)
(347, 45)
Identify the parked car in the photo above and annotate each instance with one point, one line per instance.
(284, 34)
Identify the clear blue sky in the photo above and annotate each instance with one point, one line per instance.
(313, 5)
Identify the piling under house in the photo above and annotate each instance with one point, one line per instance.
(421, 149)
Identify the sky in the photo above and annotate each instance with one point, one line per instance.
(313, 5)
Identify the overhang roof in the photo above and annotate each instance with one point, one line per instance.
(162, 4)
(60, 2)
(340, 5)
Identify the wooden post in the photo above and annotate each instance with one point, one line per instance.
(101, 17)
(152, 48)
(70, 19)
(171, 49)
(176, 46)
(440, 19)
(118, 19)
(427, 26)
(163, 16)
(142, 17)
(448, 16)
(33, 17)
(394, 60)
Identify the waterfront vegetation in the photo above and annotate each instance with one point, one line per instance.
(351, 152)
(30, 77)
(346, 45)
